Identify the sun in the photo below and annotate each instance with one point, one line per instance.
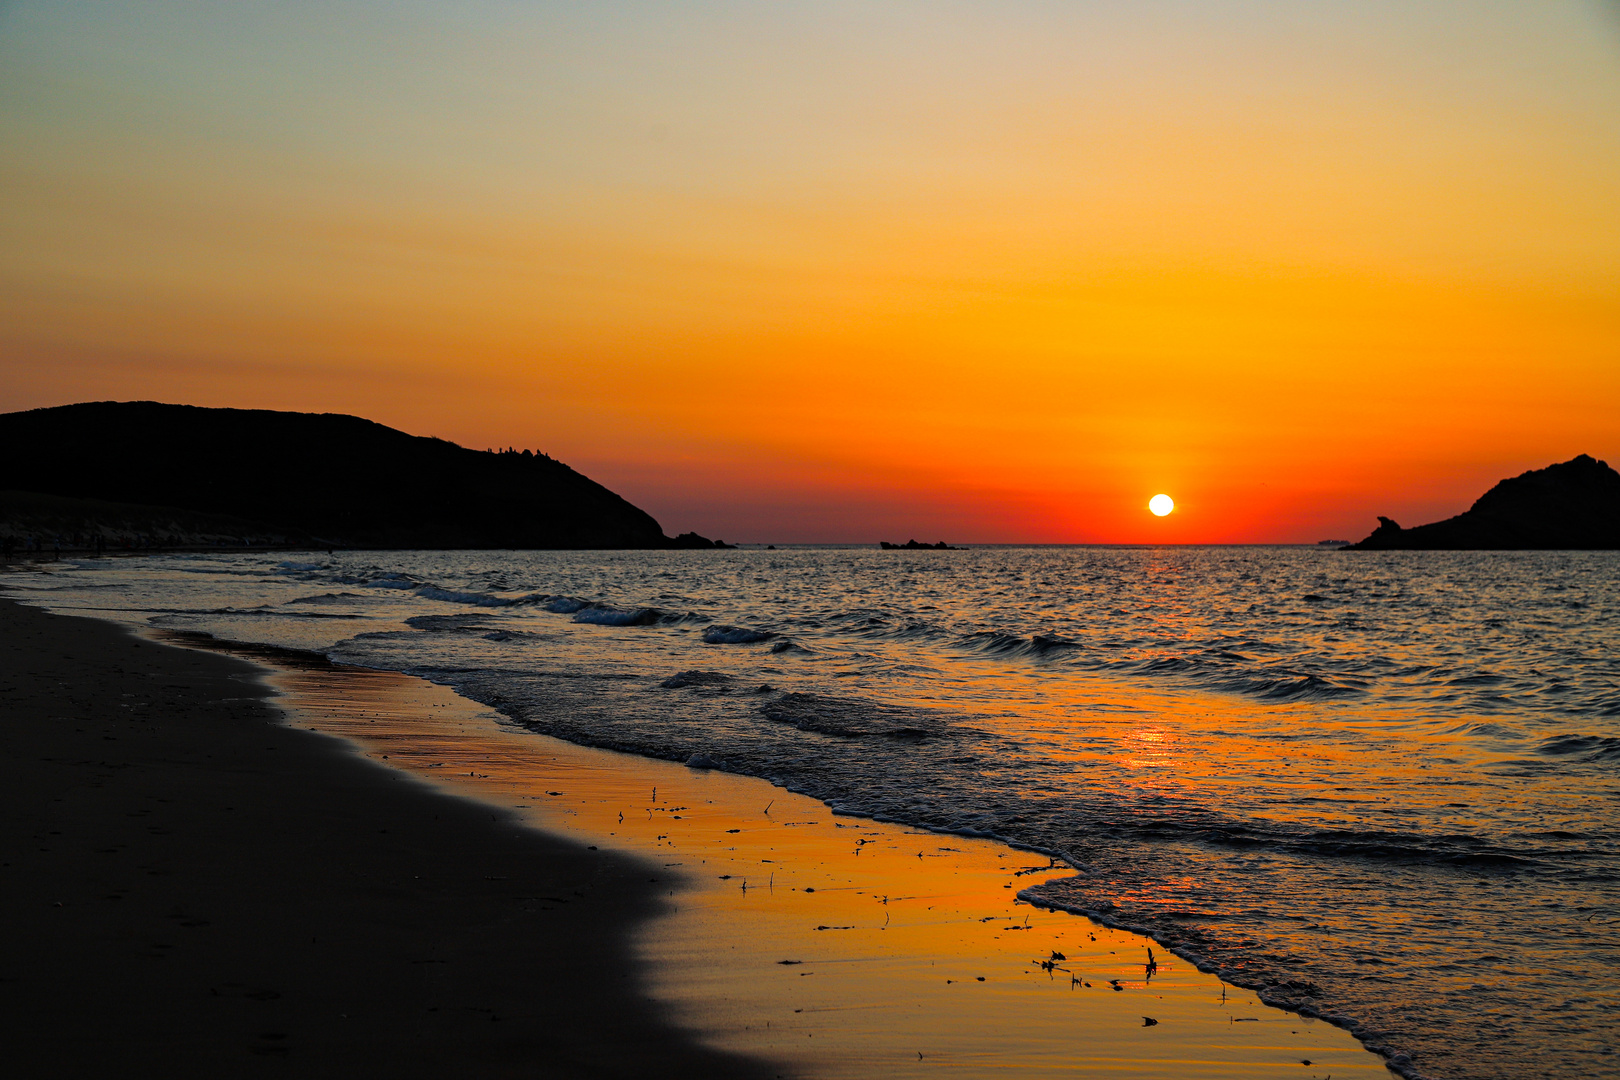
(1161, 505)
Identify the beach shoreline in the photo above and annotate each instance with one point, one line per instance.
(193, 883)
(716, 964)
(713, 972)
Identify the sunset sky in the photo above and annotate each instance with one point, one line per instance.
(781, 271)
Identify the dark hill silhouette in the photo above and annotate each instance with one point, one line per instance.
(338, 479)
(1571, 505)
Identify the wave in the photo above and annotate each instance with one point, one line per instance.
(848, 717)
(1219, 668)
(387, 581)
(696, 678)
(1291, 688)
(449, 622)
(994, 642)
(612, 616)
(734, 635)
(1585, 748)
(997, 643)
(457, 596)
(513, 635)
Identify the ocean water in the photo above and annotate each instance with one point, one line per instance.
(1379, 787)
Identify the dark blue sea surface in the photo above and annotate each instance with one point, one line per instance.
(1381, 787)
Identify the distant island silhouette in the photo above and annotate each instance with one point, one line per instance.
(195, 475)
(912, 545)
(1572, 505)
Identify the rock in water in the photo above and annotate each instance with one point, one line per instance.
(912, 545)
(1571, 505)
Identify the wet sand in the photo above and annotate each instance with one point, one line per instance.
(837, 946)
(193, 887)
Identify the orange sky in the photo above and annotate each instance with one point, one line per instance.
(842, 272)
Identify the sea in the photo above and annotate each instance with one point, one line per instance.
(1381, 788)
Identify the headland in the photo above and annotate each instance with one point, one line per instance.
(1574, 505)
(184, 476)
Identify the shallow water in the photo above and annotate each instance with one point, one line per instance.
(1377, 786)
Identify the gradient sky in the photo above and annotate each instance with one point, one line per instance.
(846, 271)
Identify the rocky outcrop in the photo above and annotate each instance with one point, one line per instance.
(1571, 505)
(692, 541)
(912, 545)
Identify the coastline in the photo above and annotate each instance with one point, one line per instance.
(193, 882)
(707, 951)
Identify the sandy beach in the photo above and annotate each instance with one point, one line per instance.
(194, 888)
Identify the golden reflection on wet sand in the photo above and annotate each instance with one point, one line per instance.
(839, 946)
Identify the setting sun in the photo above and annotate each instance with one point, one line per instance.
(1161, 505)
